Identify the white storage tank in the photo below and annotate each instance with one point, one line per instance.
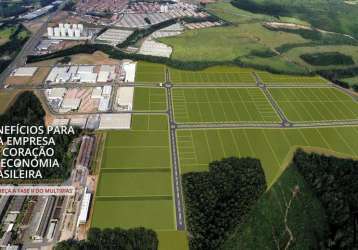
(67, 26)
(57, 32)
(74, 26)
(49, 31)
(77, 33)
(60, 25)
(80, 26)
(70, 32)
(63, 32)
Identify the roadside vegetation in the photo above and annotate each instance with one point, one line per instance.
(12, 38)
(117, 238)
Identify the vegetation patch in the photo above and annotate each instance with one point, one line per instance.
(288, 216)
(117, 238)
(218, 200)
(327, 58)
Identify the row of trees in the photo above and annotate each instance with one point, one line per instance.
(327, 58)
(117, 238)
(335, 183)
(218, 200)
(27, 111)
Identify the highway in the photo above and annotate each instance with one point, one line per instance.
(30, 45)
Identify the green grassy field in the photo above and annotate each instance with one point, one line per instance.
(202, 105)
(152, 213)
(269, 78)
(173, 240)
(5, 33)
(218, 75)
(272, 146)
(351, 81)
(149, 99)
(149, 72)
(135, 181)
(315, 104)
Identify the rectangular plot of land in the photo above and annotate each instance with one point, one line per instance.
(217, 75)
(150, 122)
(150, 99)
(204, 105)
(150, 72)
(197, 148)
(269, 78)
(135, 183)
(315, 104)
(157, 214)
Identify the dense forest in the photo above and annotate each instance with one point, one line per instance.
(334, 182)
(218, 200)
(327, 58)
(27, 111)
(108, 239)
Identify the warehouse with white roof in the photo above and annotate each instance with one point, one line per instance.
(25, 71)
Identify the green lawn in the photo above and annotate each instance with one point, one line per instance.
(201, 105)
(5, 33)
(135, 187)
(351, 81)
(157, 214)
(315, 104)
(150, 99)
(272, 146)
(135, 183)
(270, 79)
(173, 240)
(149, 72)
(217, 75)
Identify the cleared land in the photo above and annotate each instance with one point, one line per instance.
(6, 98)
(150, 72)
(269, 78)
(135, 185)
(272, 146)
(218, 75)
(315, 104)
(202, 105)
(150, 99)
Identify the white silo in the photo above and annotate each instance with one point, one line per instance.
(63, 32)
(67, 26)
(74, 26)
(49, 31)
(70, 32)
(77, 33)
(80, 26)
(57, 32)
(60, 25)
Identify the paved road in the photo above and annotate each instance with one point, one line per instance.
(30, 45)
(178, 195)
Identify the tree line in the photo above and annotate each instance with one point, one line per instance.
(335, 183)
(27, 111)
(218, 200)
(117, 238)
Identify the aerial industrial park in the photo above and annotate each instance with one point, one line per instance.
(181, 125)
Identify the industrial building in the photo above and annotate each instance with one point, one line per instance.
(69, 32)
(24, 71)
(114, 36)
(124, 99)
(16, 204)
(70, 104)
(85, 206)
(154, 48)
(38, 12)
(129, 68)
(115, 121)
(84, 156)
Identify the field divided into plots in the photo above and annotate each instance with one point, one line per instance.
(149, 99)
(277, 79)
(135, 187)
(199, 147)
(204, 105)
(219, 75)
(149, 72)
(315, 104)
